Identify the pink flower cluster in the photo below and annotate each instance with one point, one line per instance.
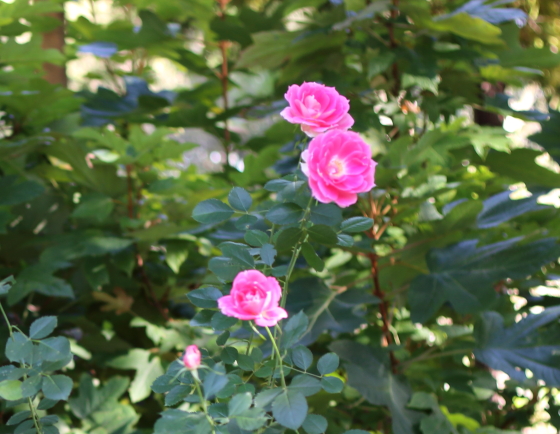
(254, 297)
(337, 162)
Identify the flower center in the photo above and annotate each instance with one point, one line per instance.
(336, 168)
(312, 105)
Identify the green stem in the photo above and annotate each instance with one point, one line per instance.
(295, 255)
(203, 403)
(35, 416)
(277, 351)
(7, 320)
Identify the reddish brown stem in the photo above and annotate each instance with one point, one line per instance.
(224, 78)
(393, 44)
(150, 288)
(383, 310)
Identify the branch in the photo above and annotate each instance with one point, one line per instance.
(393, 44)
(224, 78)
(383, 310)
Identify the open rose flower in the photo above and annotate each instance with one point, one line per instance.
(317, 108)
(255, 297)
(339, 166)
(191, 358)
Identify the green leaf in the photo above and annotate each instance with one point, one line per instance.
(26, 426)
(229, 355)
(246, 362)
(288, 238)
(302, 357)
(245, 222)
(95, 207)
(10, 390)
(239, 199)
(516, 348)
(147, 368)
(54, 349)
(251, 419)
(176, 421)
(466, 26)
(463, 274)
(548, 136)
(57, 387)
(225, 268)
(20, 416)
(328, 363)
(315, 424)
(6, 285)
(311, 257)
(92, 401)
(326, 214)
(212, 211)
(293, 330)
(369, 372)
(264, 398)
(326, 309)
(239, 403)
(332, 384)
(356, 224)
(177, 252)
(520, 166)
(285, 214)
(322, 234)
(256, 238)
(39, 278)
(12, 193)
(290, 409)
(222, 322)
(19, 348)
(177, 394)
(214, 381)
(305, 384)
(223, 338)
(205, 297)
(31, 386)
(268, 253)
(42, 327)
(238, 252)
(500, 208)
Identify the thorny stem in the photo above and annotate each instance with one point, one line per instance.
(375, 209)
(295, 255)
(203, 403)
(35, 416)
(383, 310)
(279, 362)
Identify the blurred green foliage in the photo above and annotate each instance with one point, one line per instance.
(445, 274)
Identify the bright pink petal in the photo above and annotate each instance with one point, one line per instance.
(271, 317)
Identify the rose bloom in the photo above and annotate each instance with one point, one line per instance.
(317, 108)
(191, 358)
(254, 296)
(339, 166)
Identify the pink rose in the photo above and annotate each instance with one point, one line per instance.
(317, 108)
(339, 166)
(254, 297)
(191, 358)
